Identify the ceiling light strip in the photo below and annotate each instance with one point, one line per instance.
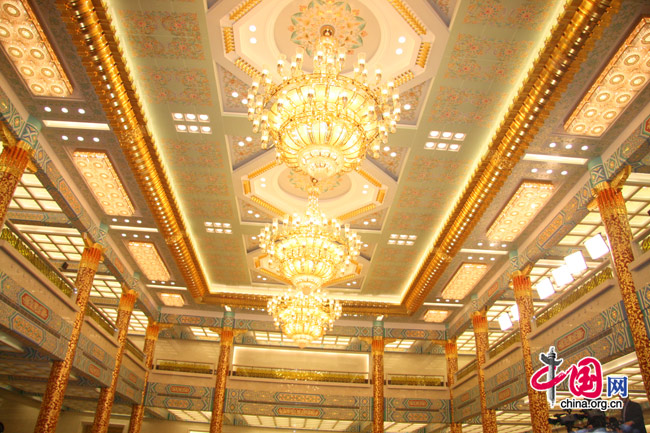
(561, 56)
(555, 158)
(76, 125)
(92, 36)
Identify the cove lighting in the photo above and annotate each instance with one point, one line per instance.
(545, 288)
(624, 77)
(436, 316)
(147, 257)
(504, 322)
(102, 179)
(576, 263)
(520, 210)
(27, 47)
(596, 247)
(172, 299)
(464, 280)
(562, 275)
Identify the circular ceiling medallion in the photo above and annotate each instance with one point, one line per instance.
(297, 184)
(299, 24)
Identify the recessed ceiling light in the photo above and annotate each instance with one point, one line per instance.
(81, 111)
(252, 28)
(177, 116)
(401, 39)
(190, 116)
(399, 51)
(96, 140)
(564, 172)
(407, 107)
(241, 144)
(549, 171)
(64, 137)
(434, 134)
(454, 146)
(48, 109)
(393, 154)
(553, 144)
(584, 148)
(253, 40)
(235, 95)
(249, 139)
(568, 146)
(429, 144)
(64, 110)
(533, 170)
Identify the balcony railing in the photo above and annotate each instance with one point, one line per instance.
(298, 375)
(415, 380)
(184, 366)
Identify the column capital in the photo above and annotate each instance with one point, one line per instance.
(479, 321)
(451, 348)
(127, 300)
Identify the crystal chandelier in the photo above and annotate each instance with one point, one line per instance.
(323, 123)
(304, 317)
(310, 250)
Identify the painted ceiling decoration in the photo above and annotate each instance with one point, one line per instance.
(210, 190)
(32, 55)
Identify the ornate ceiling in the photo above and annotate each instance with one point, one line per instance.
(201, 186)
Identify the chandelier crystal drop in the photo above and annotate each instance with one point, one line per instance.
(323, 123)
(310, 250)
(304, 317)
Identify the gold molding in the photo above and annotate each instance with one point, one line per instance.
(367, 176)
(404, 78)
(423, 54)
(263, 169)
(580, 24)
(242, 9)
(93, 35)
(247, 68)
(356, 212)
(228, 40)
(268, 206)
(408, 16)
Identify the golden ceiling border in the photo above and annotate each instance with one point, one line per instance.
(408, 16)
(404, 78)
(268, 206)
(247, 68)
(423, 54)
(572, 37)
(242, 9)
(93, 35)
(228, 40)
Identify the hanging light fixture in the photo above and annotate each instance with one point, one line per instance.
(323, 123)
(310, 250)
(304, 317)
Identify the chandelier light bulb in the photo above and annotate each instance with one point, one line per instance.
(323, 123)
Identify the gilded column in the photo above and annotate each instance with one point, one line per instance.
(614, 215)
(377, 353)
(488, 416)
(451, 353)
(536, 400)
(137, 411)
(13, 161)
(223, 367)
(107, 394)
(60, 372)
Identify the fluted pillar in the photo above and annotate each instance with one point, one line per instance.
(223, 367)
(137, 410)
(60, 372)
(451, 353)
(377, 353)
(13, 161)
(536, 399)
(614, 215)
(488, 416)
(107, 394)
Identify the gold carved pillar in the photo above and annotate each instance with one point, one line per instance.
(377, 353)
(223, 367)
(488, 416)
(13, 161)
(614, 215)
(451, 353)
(60, 372)
(537, 400)
(107, 394)
(137, 411)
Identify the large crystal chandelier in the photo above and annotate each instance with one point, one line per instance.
(310, 250)
(304, 317)
(323, 123)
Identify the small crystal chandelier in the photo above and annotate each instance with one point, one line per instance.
(323, 123)
(310, 250)
(304, 317)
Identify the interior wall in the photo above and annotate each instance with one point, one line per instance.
(303, 359)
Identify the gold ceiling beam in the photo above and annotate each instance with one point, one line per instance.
(92, 34)
(580, 24)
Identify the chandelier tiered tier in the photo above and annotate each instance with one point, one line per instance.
(304, 318)
(323, 123)
(310, 250)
